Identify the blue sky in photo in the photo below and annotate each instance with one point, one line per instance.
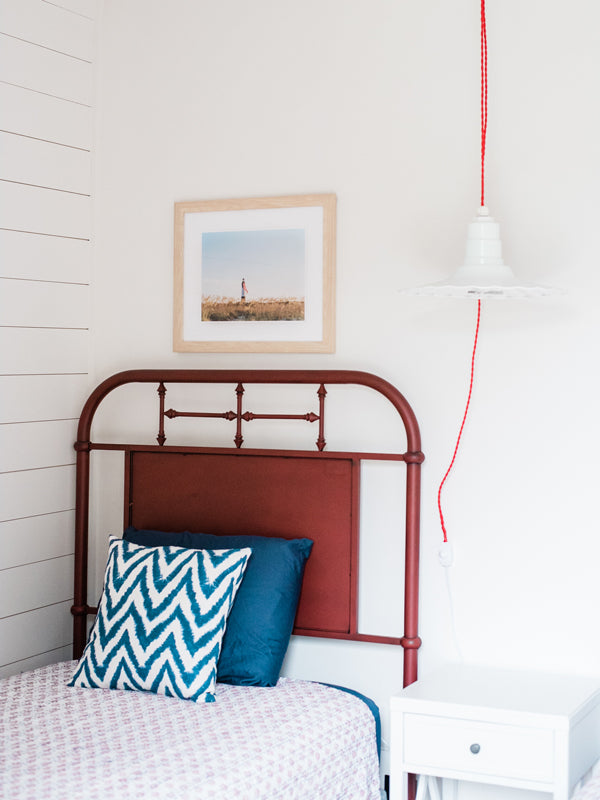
(271, 261)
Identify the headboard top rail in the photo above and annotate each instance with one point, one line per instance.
(318, 377)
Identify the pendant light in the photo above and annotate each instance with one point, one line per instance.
(483, 272)
(482, 275)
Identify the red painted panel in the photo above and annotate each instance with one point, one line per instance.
(270, 495)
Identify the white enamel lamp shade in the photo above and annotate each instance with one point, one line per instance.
(483, 273)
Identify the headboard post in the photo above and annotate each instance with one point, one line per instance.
(411, 641)
(80, 609)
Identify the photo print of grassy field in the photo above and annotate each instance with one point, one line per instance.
(255, 276)
(265, 309)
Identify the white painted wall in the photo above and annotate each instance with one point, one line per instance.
(378, 102)
(46, 84)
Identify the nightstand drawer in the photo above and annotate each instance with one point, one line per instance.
(477, 748)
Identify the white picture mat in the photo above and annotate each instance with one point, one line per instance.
(196, 224)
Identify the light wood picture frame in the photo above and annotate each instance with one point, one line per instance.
(255, 275)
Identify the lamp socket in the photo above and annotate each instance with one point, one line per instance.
(446, 554)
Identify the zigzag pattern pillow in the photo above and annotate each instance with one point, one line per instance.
(161, 620)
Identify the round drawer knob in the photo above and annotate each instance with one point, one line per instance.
(475, 748)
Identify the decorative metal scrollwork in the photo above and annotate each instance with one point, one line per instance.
(239, 416)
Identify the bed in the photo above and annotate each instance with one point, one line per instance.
(225, 551)
(589, 787)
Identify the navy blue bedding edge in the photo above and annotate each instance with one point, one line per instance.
(373, 707)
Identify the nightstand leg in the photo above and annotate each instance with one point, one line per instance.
(434, 789)
(427, 787)
(422, 786)
(449, 789)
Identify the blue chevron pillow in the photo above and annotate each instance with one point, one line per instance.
(262, 617)
(161, 620)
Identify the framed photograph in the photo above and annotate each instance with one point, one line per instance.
(255, 275)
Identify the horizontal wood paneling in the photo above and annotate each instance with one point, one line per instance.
(42, 660)
(40, 163)
(25, 351)
(85, 7)
(32, 445)
(44, 117)
(46, 90)
(35, 585)
(48, 25)
(23, 541)
(29, 398)
(35, 632)
(28, 208)
(34, 67)
(38, 491)
(43, 305)
(40, 257)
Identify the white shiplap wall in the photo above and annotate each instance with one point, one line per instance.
(46, 93)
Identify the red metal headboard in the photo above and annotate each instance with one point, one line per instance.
(289, 493)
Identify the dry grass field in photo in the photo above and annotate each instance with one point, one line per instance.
(270, 309)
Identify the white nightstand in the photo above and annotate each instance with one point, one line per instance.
(528, 730)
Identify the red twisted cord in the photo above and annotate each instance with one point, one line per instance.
(439, 500)
(484, 98)
(484, 120)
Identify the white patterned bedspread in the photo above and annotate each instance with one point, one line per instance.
(589, 791)
(298, 741)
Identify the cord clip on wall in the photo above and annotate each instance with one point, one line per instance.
(446, 554)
